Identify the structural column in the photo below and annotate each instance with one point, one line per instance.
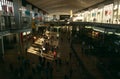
(19, 43)
(17, 15)
(73, 30)
(17, 4)
(1, 48)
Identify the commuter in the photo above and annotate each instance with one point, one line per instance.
(33, 68)
(40, 59)
(26, 51)
(70, 54)
(21, 71)
(24, 63)
(33, 26)
(61, 39)
(39, 68)
(19, 58)
(2, 59)
(66, 77)
(47, 73)
(71, 72)
(16, 72)
(56, 61)
(68, 38)
(28, 63)
(51, 72)
(48, 64)
(67, 61)
(55, 54)
(11, 67)
(30, 77)
(60, 62)
(43, 61)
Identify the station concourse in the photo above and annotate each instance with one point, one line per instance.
(59, 39)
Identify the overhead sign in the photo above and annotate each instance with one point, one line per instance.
(64, 17)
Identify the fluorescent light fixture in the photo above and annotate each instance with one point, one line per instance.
(117, 34)
(110, 32)
(88, 27)
(24, 33)
(98, 30)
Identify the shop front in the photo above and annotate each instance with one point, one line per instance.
(108, 14)
(99, 15)
(94, 15)
(119, 13)
(87, 16)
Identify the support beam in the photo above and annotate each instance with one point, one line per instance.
(1, 47)
(17, 13)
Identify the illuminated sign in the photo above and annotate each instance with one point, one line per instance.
(64, 17)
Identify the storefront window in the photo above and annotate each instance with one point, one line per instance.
(82, 16)
(107, 13)
(99, 15)
(94, 15)
(119, 13)
(87, 16)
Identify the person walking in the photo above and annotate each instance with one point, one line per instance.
(71, 73)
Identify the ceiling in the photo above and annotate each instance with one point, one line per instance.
(57, 6)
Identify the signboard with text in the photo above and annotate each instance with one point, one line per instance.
(64, 17)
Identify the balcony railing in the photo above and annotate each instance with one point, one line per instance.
(7, 23)
(103, 25)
